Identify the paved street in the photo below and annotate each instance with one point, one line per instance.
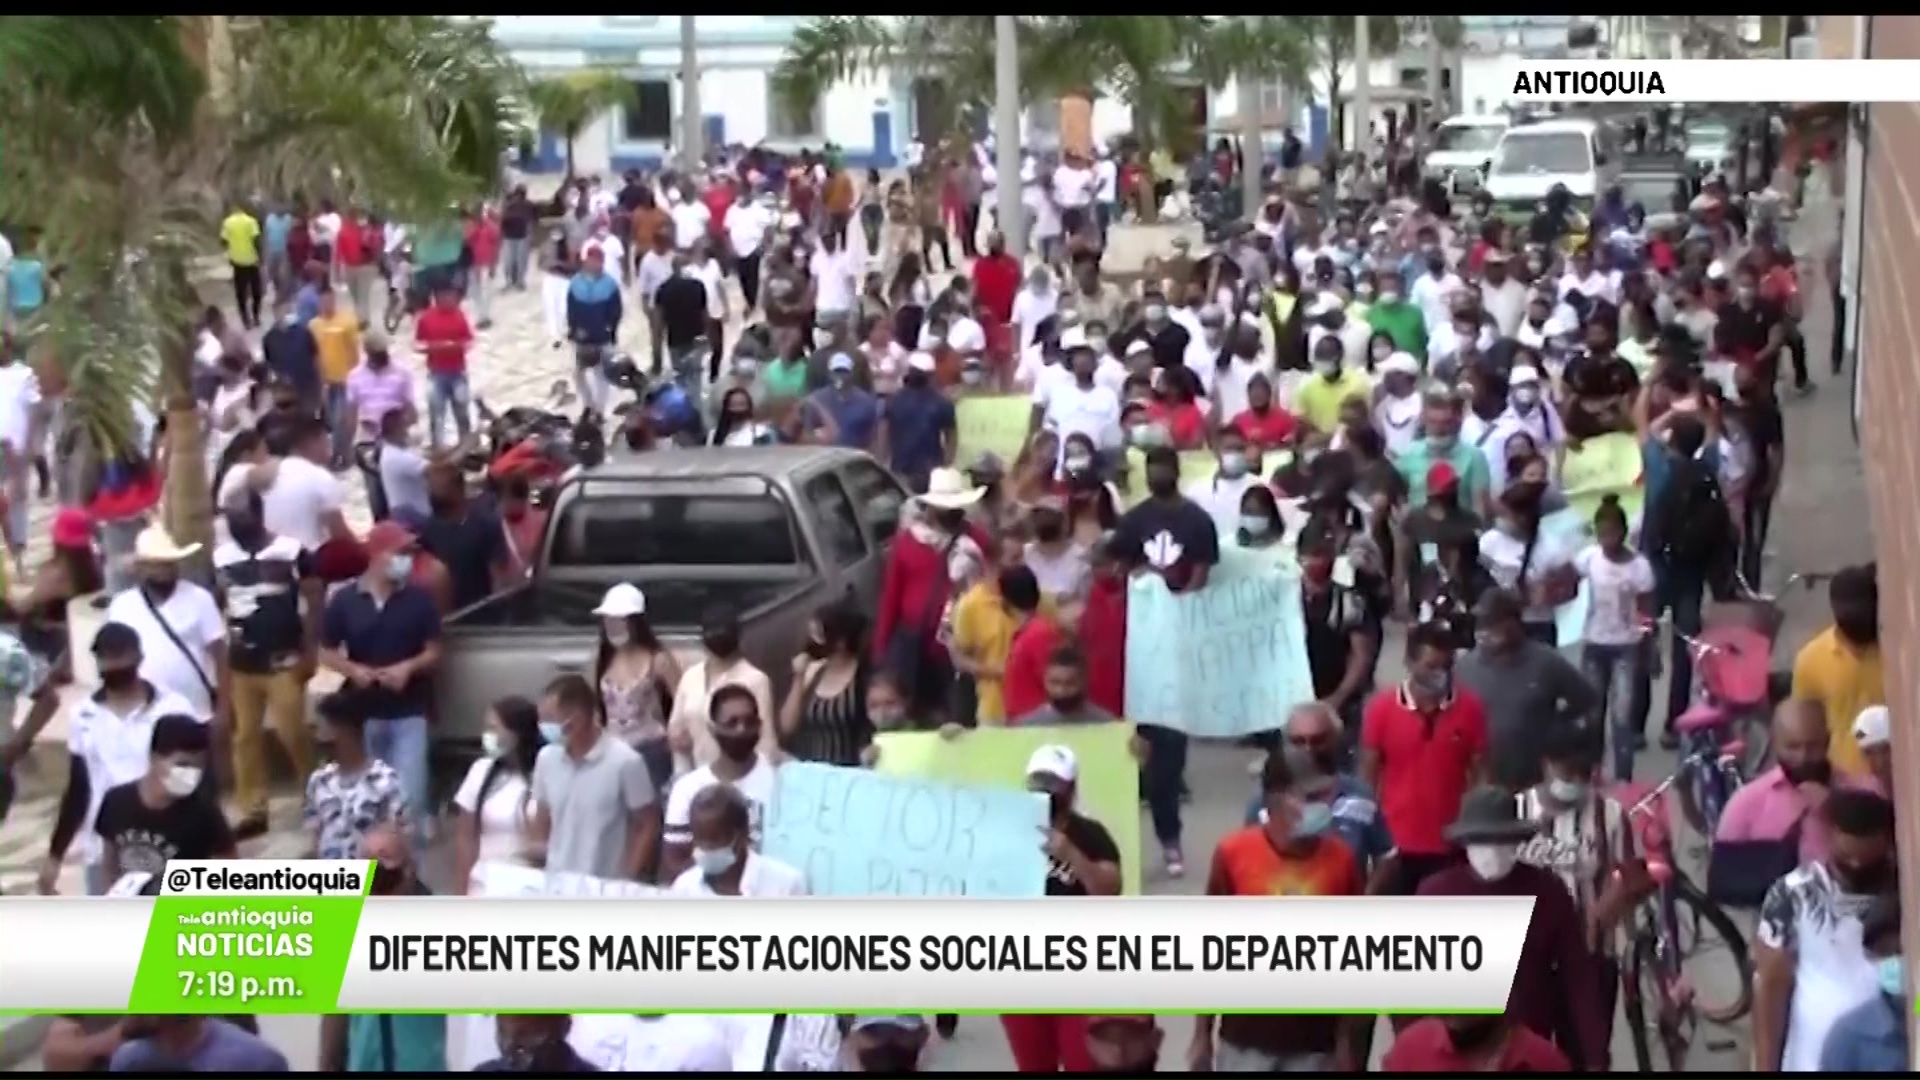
(1819, 525)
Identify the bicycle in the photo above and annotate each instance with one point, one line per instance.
(1655, 965)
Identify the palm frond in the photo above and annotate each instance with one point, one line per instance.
(567, 103)
(829, 49)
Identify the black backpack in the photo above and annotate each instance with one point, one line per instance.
(1696, 528)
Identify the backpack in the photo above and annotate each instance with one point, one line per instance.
(1696, 527)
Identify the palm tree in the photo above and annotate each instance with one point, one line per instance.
(129, 137)
(566, 104)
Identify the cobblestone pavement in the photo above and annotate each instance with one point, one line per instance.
(1821, 506)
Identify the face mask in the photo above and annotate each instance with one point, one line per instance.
(1442, 443)
(1255, 524)
(1156, 313)
(491, 744)
(181, 781)
(1567, 792)
(1381, 352)
(972, 376)
(1364, 291)
(737, 748)
(1315, 818)
(1233, 465)
(714, 862)
(1432, 684)
(618, 632)
(553, 731)
(1327, 369)
(745, 369)
(1811, 772)
(118, 679)
(289, 319)
(1526, 396)
(1893, 975)
(722, 643)
(1390, 296)
(399, 567)
(1492, 862)
(161, 587)
(1745, 296)
(1097, 343)
(1078, 463)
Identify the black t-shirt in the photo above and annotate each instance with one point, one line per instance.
(682, 301)
(1332, 615)
(469, 546)
(189, 828)
(1596, 376)
(1169, 535)
(1094, 841)
(517, 219)
(1743, 330)
(1169, 344)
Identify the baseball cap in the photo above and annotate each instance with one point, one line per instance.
(840, 362)
(1138, 346)
(1442, 477)
(387, 538)
(1074, 338)
(1055, 761)
(1873, 727)
(1400, 363)
(1523, 376)
(921, 361)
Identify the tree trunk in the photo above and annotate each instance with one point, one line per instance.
(187, 504)
(569, 176)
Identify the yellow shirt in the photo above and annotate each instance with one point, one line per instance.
(241, 233)
(337, 337)
(1844, 680)
(983, 627)
(1318, 401)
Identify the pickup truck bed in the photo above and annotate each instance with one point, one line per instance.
(547, 606)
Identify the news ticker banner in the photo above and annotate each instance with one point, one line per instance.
(1743, 81)
(305, 937)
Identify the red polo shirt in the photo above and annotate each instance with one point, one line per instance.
(1426, 1047)
(1024, 686)
(1424, 762)
(445, 334)
(1268, 431)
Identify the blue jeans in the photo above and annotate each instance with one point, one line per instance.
(446, 392)
(333, 396)
(513, 261)
(1161, 778)
(1619, 672)
(1681, 596)
(402, 744)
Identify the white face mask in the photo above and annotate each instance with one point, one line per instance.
(491, 744)
(618, 632)
(1492, 862)
(181, 781)
(1526, 396)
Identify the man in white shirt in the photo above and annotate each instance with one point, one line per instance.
(1220, 494)
(836, 277)
(690, 218)
(1525, 415)
(19, 403)
(1036, 301)
(1501, 297)
(1433, 289)
(1077, 404)
(668, 1043)
(1203, 347)
(1589, 281)
(183, 636)
(734, 720)
(302, 499)
(1074, 186)
(746, 223)
(1329, 317)
(1106, 192)
(966, 337)
(724, 862)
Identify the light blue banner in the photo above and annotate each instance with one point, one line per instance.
(1571, 533)
(855, 832)
(1223, 662)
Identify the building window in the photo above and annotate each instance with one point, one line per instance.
(650, 117)
(787, 125)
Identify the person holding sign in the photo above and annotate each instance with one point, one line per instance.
(724, 862)
(1083, 861)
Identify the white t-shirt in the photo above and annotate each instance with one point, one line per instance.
(757, 786)
(1431, 294)
(19, 393)
(835, 278)
(690, 221)
(675, 1042)
(403, 476)
(1613, 595)
(502, 818)
(300, 499)
(117, 750)
(1106, 177)
(1070, 409)
(762, 876)
(185, 669)
(1506, 303)
(326, 228)
(1594, 286)
(747, 227)
(966, 336)
(1220, 498)
(655, 270)
(1230, 386)
(1074, 187)
(1036, 372)
(715, 280)
(1398, 420)
(1030, 309)
(1501, 555)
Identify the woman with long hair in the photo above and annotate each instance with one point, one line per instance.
(824, 717)
(496, 798)
(636, 676)
(734, 426)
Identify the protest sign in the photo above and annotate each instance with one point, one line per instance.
(1108, 790)
(1222, 662)
(1569, 532)
(1608, 465)
(991, 424)
(857, 833)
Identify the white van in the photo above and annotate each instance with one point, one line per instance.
(1531, 159)
(1462, 146)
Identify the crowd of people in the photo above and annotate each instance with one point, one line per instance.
(1418, 410)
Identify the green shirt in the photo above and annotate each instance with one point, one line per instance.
(437, 245)
(1467, 461)
(1404, 324)
(784, 379)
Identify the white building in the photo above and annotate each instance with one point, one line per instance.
(866, 118)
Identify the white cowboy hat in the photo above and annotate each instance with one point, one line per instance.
(155, 544)
(947, 489)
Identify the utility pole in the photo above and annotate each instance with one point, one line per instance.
(1362, 87)
(692, 131)
(1436, 81)
(1006, 131)
(1253, 148)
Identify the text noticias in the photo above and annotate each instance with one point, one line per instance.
(929, 953)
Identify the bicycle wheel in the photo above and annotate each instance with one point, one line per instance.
(1633, 1005)
(1669, 1029)
(1696, 799)
(1726, 996)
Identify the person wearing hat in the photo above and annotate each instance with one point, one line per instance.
(932, 561)
(1124, 1045)
(110, 742)
(1872, 1038)
(1556, 992)
(919, 431)
(1293, 850)
(1082, 860)
(842, 413)
(183, 636)
(1077, 402)
(1873, 734)
(382, 635)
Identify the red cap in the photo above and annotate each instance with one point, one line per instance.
(72, 528)
(387, 538)
(1441, 477)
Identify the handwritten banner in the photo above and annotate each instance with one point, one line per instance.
(1608, 465)
(858, 833)
(1223, 662)
(991, 424)
(1108, 790)
(1570, 532)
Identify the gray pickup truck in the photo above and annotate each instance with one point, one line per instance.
(776, 532)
